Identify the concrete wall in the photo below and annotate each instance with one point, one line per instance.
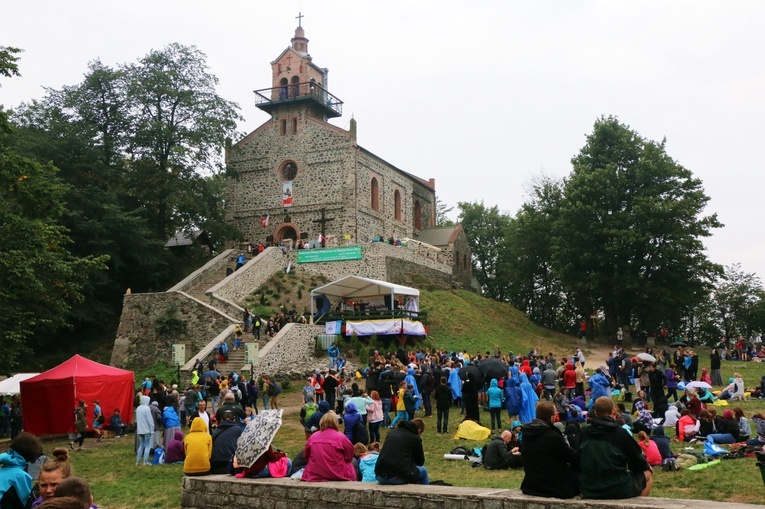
(227, 492)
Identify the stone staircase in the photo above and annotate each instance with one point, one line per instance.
(211, 278)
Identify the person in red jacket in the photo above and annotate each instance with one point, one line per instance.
(569, 380)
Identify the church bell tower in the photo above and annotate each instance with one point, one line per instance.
(298, 83)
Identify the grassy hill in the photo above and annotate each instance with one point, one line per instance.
(462, 320)
(458, 319)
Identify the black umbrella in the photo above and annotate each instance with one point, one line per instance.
(677, 344)
(474, 372)
(493, 368)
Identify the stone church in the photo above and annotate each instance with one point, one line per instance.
(297, 176)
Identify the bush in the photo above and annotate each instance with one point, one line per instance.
(170, 324)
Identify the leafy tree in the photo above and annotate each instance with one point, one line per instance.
(8, 59)
(628, 240)
(39, 278)
(178, 126)
(140, 148)
(485, 228)
(534, 286)
(738, 300)
(442, 211)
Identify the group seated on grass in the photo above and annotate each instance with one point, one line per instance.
(558, 429)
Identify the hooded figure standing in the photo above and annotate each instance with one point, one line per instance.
(512, 398)
(529, 401)
(470, 397)
(144, 430)
(410, 380)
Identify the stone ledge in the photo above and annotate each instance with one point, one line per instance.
(223, 491)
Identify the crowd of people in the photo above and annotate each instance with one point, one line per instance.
(596, 434)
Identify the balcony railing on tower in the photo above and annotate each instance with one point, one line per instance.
(268, 99)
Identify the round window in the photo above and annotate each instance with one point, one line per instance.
(288, 170)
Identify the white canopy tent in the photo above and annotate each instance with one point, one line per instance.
(10, 386)
(357, 287)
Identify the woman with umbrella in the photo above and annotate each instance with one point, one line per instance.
(529, 400)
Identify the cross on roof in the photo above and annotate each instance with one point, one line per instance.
(300, 17)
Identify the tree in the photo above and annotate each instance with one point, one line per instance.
(39, 278)
(442, 211)
(485, 228)
(139, 147)
(534, 286)
(178, 127)
(628, 241)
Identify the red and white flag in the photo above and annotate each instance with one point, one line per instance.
(321, 238)
(264, 221)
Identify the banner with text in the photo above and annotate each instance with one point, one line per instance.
(332, 254)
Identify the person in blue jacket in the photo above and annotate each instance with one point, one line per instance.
(512, 398)
(334, 352)
(496, 398)
(599, 386)
(529, 400)
(15, 482)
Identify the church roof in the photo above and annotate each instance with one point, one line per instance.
(440, 236)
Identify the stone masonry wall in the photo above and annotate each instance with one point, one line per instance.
(254, 274)
(227, 492)
(293, 346)
(332, 173)
(324, 158)
(137, 340)
(374, 264)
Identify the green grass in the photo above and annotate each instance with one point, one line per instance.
(462, 320)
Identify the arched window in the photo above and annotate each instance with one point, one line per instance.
(375, 195)
(465, 261)
(397, 205)
(417, 215)
(283, 89)
(295, 87)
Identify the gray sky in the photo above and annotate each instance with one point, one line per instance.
(481, 97)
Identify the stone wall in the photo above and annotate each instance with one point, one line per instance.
(227, 492)
(251, 276)
(332, 173)
(375, 264)
(290, 349)
(214, 265)
(137, 340)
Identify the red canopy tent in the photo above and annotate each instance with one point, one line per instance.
(49, 399)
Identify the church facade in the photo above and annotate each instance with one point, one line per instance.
(297, 176)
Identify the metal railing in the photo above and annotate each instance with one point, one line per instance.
(296, 92)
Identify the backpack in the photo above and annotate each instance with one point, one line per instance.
(257, 323)
(159, 456)
(274, 389)
(307, 411)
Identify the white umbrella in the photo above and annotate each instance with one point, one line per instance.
(646, 357)
(257, 436)
(698, 384)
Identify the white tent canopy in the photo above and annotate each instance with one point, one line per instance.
(10, 386)
(360, 287)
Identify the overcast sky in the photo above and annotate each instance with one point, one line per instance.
(481, 97)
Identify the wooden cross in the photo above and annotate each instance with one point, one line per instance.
(323, 222)
(300, 17)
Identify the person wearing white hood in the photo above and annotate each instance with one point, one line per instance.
(144, 430)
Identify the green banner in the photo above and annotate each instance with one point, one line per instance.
(332, 254)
